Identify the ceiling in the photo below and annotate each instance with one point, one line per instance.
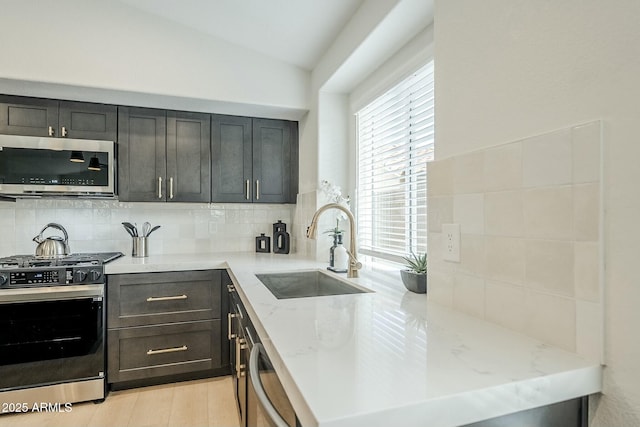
(297, 32)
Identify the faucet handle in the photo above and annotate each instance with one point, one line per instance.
(354, 261)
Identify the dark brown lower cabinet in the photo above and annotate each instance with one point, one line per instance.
(165, 327)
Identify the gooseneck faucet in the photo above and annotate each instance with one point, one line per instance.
(312, 233)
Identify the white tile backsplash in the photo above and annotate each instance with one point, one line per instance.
(548, 212)
(468, 173)
(469, 294)
(95, 225)
(503, 167)
(551, 318)
(586, 267)
(505, 304)
(530, 214)
(586, 152)
(468, 211)
(586, 208)
(504, 213)
(549, 266)
(505, 259)
(547, 159)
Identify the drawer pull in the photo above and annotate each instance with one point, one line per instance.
(167, 350)
(152, 299)
(230, 333)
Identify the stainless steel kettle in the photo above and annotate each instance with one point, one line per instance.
(53, 246)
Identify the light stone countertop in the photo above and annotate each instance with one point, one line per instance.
(390, 357)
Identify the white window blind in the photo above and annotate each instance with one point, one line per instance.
(395, 142)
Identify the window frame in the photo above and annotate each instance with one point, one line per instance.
(409, 247)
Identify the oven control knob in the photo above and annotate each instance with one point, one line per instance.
(3, 279)
(94, 275)
(80, 276)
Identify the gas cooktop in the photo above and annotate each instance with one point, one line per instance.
(74, 260)
(21, 271)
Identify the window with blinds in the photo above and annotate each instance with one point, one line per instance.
(395, 142)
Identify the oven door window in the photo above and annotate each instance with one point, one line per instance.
(51, 341)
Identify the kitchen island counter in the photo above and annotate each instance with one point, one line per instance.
(390, 357)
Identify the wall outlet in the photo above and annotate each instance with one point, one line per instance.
(451, 235)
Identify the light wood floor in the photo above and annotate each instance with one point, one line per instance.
(200, 403)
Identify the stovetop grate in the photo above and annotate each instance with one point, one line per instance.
(80, 259)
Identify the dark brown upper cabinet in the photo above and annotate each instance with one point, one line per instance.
(163, 156)
(52, 118)
(254, 160)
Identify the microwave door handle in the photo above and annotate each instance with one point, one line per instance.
(257, 387)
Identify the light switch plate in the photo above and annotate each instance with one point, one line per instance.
(451, 235)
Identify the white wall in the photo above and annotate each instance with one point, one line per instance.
(83, 44)
(506, 70)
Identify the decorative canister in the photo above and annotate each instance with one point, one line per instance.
(263, 243)
(281, 239)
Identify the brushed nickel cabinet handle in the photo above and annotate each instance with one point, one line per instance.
(152, 299)
(241, 344)
(171, 188)
(159, 187)
(230, 317)
(51, 131)
(167, 350)
(257, 189)
(248, 189)
(63, 131)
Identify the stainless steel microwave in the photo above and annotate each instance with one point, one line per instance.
(34, 166)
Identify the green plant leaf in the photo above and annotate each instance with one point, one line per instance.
(417, 263)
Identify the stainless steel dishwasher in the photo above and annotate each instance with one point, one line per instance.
(267, 402)
(260, 397)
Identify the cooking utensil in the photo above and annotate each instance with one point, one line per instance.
(155, 227)
(132, 228)
(145, 229)
(128, 230)
(53, 246)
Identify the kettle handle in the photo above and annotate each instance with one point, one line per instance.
(38, 238)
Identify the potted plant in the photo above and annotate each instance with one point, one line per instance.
(415, 276)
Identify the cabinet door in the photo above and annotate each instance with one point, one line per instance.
(160, 350)
(272, 161)
(188, 157)
(231, 174)
(143, 299)
(141, 154)
(87, 121)
(28, 116)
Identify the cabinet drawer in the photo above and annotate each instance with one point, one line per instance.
(152, 351)
(153, 298)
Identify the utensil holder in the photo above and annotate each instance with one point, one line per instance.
(140, 247)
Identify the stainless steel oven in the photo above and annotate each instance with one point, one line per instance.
(52, 330)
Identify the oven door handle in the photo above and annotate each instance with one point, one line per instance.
(257, 387)
(51, 293)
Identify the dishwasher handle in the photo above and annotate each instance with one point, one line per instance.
(257, 387)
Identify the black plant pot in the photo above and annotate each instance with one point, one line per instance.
(414, 282)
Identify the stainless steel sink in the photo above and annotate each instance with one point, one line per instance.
(303, 284)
